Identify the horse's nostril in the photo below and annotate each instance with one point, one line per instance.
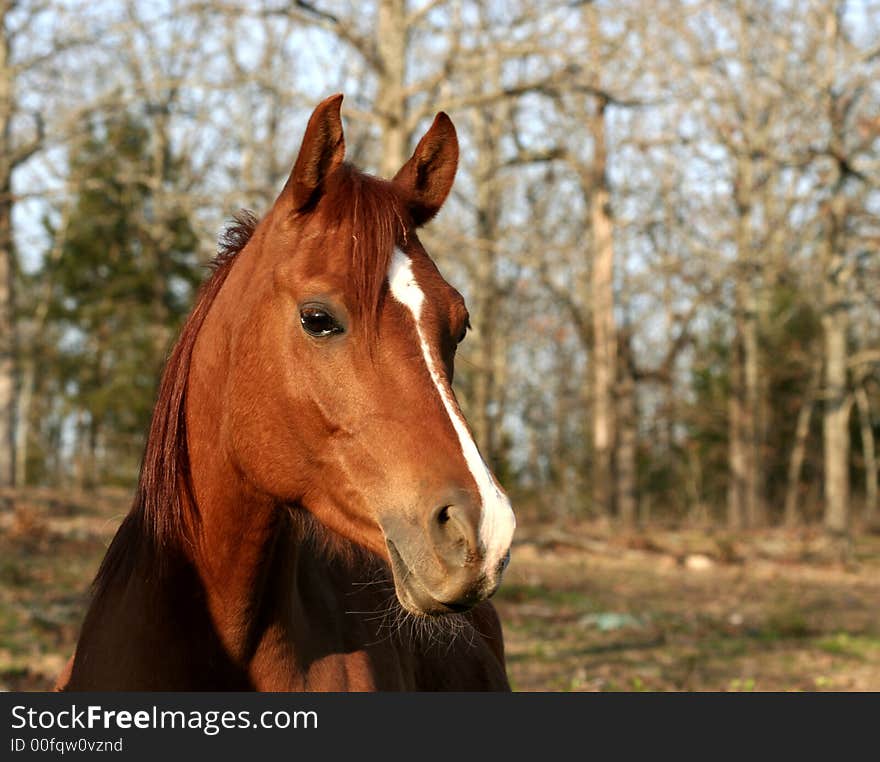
(454, 532)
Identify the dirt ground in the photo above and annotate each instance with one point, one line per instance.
(584, 609)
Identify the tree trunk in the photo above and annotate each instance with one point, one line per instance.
(835, 324)
(160, 236)
(392, 43)
(22, 423)
(799, 449)
(835, 316)
(7, 267)
(627, 439)
(28, 357)
(7, 340)
(754, 472)
(602, 302)
(485, 383)
(869, 454)
(746, 431)
(736, 510)
(835, 425)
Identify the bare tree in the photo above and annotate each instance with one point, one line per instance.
(841, 88)
(14, 151)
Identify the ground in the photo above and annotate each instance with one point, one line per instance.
(584, 608)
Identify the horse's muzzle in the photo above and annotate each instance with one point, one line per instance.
(439, 564)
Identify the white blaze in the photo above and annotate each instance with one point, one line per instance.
(497, 521)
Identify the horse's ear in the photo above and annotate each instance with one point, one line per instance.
(427, 177)
(322, 151)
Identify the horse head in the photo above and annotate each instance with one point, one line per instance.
(340, 335)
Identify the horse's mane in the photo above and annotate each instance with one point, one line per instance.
(157, 514)
(163, 515)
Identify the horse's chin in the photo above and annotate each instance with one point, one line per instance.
(413, 596)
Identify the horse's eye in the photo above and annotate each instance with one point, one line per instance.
(463, 334)
(316, 321)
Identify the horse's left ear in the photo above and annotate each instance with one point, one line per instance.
(322, 151)
(427, 177)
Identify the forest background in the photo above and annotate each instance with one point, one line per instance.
(666, 223)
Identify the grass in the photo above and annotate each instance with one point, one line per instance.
(861, 647)
(750, 622)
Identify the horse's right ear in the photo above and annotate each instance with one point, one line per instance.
(321, 152)
(427, 177)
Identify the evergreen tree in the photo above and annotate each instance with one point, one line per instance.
(121, 288)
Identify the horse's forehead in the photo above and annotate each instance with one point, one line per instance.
(314, 259)
(331, 260)
(319, 252)
(438, 292)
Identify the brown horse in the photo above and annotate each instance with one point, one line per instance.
(312, 512)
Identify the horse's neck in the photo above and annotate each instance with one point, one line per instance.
(234, 555)
(166, 621)
(286, 604)
(278, 589)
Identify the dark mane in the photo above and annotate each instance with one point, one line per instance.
(370, 217)
(234, 238)
(158, 515)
